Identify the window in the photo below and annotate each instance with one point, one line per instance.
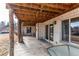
(46, 29)
(75, 30)
(65, 30)
(28, 29)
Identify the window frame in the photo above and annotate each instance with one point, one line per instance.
(29, 29)
(69, 30)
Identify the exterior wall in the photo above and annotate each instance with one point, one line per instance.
(57, 28)
(33, 30)
(37, 31)
(40, 30)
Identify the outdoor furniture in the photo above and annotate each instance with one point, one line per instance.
(63, 50)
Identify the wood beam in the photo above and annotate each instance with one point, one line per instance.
(29, 24)
(20, 36)
(11, 32)
(34, 20)
(24, 12)
(58, 6)
(25, 16)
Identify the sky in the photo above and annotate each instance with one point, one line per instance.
(4, 13)
(75, 24)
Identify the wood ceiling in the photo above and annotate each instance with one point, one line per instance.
(32, 13)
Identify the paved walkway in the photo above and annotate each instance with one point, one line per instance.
(32, 47)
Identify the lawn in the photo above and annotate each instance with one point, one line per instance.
(4, 44)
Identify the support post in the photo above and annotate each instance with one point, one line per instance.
(11, 32)
(20, 36)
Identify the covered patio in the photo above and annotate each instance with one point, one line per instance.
(32, 47)
(33, 14)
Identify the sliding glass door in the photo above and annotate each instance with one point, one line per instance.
(65, 30)
(70, 29)
(74, 30)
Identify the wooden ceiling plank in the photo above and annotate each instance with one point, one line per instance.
(35, 13)
(32, 8)
(58, 6)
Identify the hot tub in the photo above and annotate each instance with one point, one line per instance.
(63, 50)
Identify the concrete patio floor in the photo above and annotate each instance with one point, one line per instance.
(32, 47)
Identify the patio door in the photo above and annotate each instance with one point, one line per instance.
(51, 29)
(65, 30)
(74, 25)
